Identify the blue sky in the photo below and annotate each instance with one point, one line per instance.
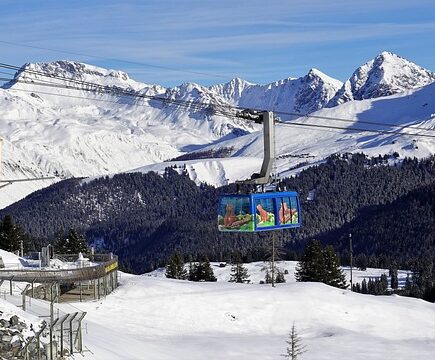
(213, 41)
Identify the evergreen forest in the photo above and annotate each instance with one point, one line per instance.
(386, 204)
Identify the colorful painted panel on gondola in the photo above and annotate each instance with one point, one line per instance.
(265, 209)
(235, 214)
(288, 210)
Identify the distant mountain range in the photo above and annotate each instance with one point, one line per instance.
(67, 132)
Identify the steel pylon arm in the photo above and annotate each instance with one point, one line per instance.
(264, 176)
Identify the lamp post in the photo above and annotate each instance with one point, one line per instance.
(351, 260)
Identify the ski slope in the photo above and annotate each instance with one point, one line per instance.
(157, 318)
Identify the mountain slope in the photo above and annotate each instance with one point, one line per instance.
(68, 132)
(411, 112)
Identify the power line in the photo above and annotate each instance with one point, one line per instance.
(94, 87)
(355, 129)
(198, 106)
(310, 126)
(117, 60)
(304, 115)
(299, 115)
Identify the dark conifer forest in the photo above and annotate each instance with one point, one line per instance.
(388, 209)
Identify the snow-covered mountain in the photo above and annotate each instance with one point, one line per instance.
(302, 95)
(387, 74)
(411, 112)
(68, 132)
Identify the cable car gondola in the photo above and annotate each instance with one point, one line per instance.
(259, 212)
(262, 211)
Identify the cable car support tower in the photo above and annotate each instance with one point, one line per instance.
(266, 118)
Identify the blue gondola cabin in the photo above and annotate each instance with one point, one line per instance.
(259, 212)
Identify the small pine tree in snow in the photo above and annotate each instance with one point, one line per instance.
(394, 279)
(202, 271)
(175, 267)
(268, 277)
(356, 288)
(295, 347)
(280, 278)
(364, 287)
(383, 284)
(239, 274)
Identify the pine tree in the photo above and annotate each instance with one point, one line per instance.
(356, 288)
(78, 242)
(175, 267)
(383, 284)
(295, 348)
(202, 271)
(364, 287)
(361, 262)
(394, 279)
(319, 265)
(239, 274)
(280, 278)
(312, 265)
(74, 243)
(11, 235)
(61, 243)
(371, 287)
(267, 277)
(334, 275)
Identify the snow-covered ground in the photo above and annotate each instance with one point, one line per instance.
(157, 318)
(152, 317)
(10, 261)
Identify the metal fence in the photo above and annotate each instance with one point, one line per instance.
(63, 275)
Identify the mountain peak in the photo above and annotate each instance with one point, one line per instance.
(66, 69)
(231, 91)
(315, 73)
(387, 54)
(385, 75)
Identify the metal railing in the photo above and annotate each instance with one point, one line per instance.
(108, 264)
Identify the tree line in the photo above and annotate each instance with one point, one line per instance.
(144, 218)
